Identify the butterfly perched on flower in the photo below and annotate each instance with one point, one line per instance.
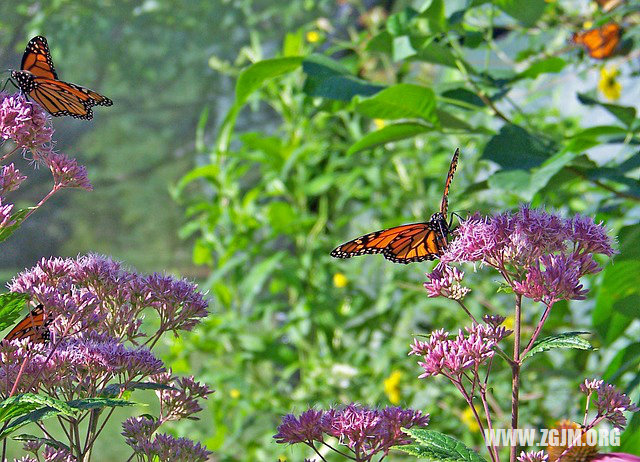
(407, 243)
(34, 326)
(600, 42)
(39, 80)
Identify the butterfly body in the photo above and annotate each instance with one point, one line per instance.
(408, 243)
(38, 79)
(34, 326)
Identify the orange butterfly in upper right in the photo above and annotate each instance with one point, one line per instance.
(407, 243)
(38, 79)
(600, 42)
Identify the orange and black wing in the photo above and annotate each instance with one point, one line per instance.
(601, 42)
(37, 59)
(402, 244)
(444, 205)
(60, 98)
(34, 326)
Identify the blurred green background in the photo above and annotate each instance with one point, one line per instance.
(247, 190)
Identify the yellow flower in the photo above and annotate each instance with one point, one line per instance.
(234, 393)
(340, 280)
(587, 24)
(509, 323)
(392, 387)
(469, 420)
(379, 123)
(313, 36)
(608, 84)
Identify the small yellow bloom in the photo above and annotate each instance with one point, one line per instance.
(379, 123)
(469, 419)
(234, 393)
(340, 280)
(587, 25)
(608, 84)
(313, 36)
(509, 323)
(392, 387)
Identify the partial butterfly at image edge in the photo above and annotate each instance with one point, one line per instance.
(38, 79)
(409, 243)
(34, 326)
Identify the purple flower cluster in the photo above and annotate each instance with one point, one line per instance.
(67, 173)
(365, 431)
(610, 403)
(444, 281)
(533, 456)
(180, 401)
(541, 255)
(10, 179)
(139, 435)
(452, 356)
(25, 123)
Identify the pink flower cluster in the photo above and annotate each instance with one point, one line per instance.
(451, 357)
(542, 256)
(364, 431)
(610, 403)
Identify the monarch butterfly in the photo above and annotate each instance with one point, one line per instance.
(34, 326)
(600, 42)
(407, 243)
(38, 79)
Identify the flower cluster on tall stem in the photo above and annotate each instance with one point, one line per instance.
(98, 348)
(26, 128)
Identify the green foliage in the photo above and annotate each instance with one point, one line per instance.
(11, 304)
(436, 446)
(358, 138)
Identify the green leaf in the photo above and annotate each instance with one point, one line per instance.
(439, 54)
(436, 446)
(464, 95)
(601, 130)
(48, 441)
(254, 76)
(563, 340)
(31, 417)
(16, 219)
(402, 48)
(329, 79)
(513, 181)
(515, 148)
(527, 12)
(401, 23)
(435, 16)
(551, 65)
(86, 404)
(114, 389)
(625, 360)
(389, 133)
(625, 114)
(401, 101)
(25, 403)
(11, 305)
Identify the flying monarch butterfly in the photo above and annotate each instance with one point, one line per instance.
(407, 243)
(34, 326)
(600, 42)
(38, 79)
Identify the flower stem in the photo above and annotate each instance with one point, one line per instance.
(515, 374)
(544, 317)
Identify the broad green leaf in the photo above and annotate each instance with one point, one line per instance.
(339, 87)
(25, 403)
(563, 340)
(515, 148)
(551, 65)
(513, 181)
(381, 43)
(402, 48)
(439, 54)
(601, 130)
(541, 176)
(11, 305)
(48, 441)
(436, 446)
(389, 133)
(627, 359)
(282, 216)
(401, 101)
(31, 417)
(86, 404)
(16, 220)
(625, 114)
(114, 389)
(435, 16)
(254, 76)
(527, 12)
(401, 23)
(466, 96)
